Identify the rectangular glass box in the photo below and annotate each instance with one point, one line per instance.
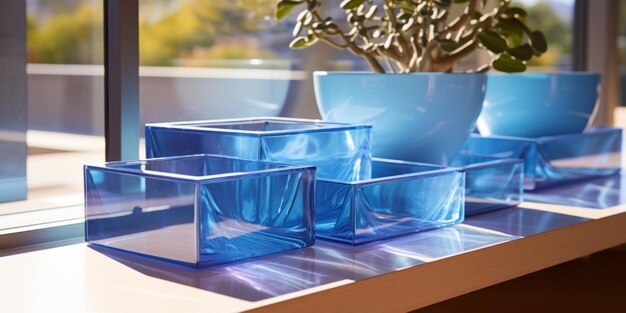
(490, 183)
(400, 198)
(200, 210)
(339, 151)
(557, 159)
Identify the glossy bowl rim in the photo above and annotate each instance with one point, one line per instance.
(545, 74)
(367, 73)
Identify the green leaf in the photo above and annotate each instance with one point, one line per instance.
(493, 41)
(515, 11)
(523, 52)
(298, 43)
(443, 3)
(539, 42)
(511, 26)
(475, 15)
(513, 40)
(305, 17)
(297, 29)
(303, 42)
(372, 11)
(512, 30)
(351, 4)
(311, 39)
(505, 63)
(284, 7)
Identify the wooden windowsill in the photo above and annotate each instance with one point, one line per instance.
(402, 274)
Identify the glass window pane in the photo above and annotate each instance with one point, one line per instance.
(216, 58)
(555, 19)
(203, 59)
(65, 99)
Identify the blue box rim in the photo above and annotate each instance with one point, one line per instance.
(489, 164)
(588, 131)
(187, 126)
(196, 179)
(436, 171)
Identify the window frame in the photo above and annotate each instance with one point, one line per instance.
(121, 79)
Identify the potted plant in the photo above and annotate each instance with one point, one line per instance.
(420, 108)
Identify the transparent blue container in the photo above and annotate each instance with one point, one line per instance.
(340, 151)
(557, 159)
(199, 210)
(490, 183)
(400, 198)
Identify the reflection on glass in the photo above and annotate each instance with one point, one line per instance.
(443, 242)
(206, 59)
(490, 183)
(401, 198)
(323, 263)
(601, 193)
(340, 151)
(522, 222)
(559, 159)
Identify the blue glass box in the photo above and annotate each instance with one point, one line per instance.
(400, 198)
(490, 183)
(557, 159)
(340, 151)
(199, 210)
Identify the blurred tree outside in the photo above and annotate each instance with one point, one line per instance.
(66, 37)
(183, 32)
(71, 31)
(558, 32)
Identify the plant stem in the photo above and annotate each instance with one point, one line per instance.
(405, 56)
(446, 63)
(373, 63)
(425, 60)
(350, 46)
(461, 20)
